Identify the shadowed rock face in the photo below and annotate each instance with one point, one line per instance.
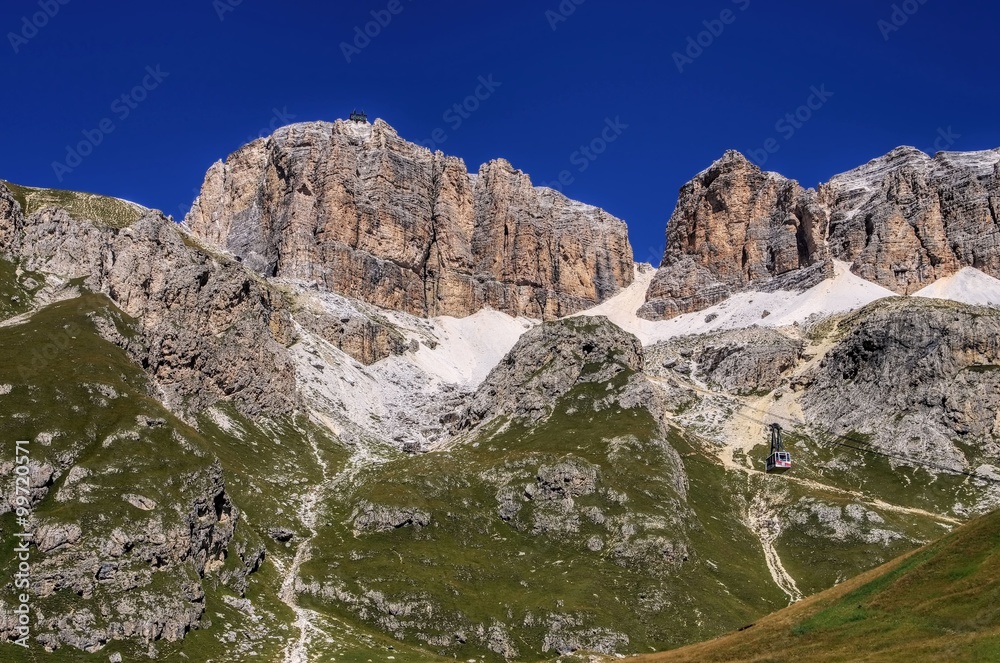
(903, 220)
(362, 212)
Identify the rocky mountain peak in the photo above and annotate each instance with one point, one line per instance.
(903, 153)
(903, 221)
(358, 210)
(735, 227)
(733, 159)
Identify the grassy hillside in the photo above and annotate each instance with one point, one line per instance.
(597, 528)
(85, 206)
(17, 287)
(88, 409)
(940, 603)
(465, 551)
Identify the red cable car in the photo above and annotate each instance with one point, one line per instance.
(780, 460)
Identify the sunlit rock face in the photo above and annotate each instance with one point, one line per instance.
(360, 211)
(903, 221)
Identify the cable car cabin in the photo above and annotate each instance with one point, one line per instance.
(780, 460)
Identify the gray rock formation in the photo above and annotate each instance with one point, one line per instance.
(566, 636)
(852, 522)
(547, 362)
(362, 212)
(368, 517)
(565, 480)
(914, 376)
(11, 216)
(142, 579)
(742, 361)
(358, 329)
(208, 329)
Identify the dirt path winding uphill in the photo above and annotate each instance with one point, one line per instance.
(308, 621)
(297, 651)
(744, 430)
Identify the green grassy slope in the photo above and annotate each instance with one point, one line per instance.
(940, 603)
(614, 566)
(16, 289)
(81, 400)
(85, 206)
(87, 398)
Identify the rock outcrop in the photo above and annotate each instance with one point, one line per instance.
(736, 227)
(360, 211)
(360, 330)
(741, 361)
(11, 216)
(208, 328)
(903, 220)
(144, 579)
(547, 362)
(935, 367)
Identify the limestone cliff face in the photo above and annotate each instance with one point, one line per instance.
(903, 220)
(11, 217)
(364, 213)
(906, 220)
(736, 227)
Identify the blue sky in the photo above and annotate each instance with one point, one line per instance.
(655, 91)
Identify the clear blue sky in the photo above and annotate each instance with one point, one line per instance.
(224, 81)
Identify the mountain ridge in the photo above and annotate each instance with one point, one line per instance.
(374, 468)
(903, 221)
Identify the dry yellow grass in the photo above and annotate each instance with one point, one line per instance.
(938, 603)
